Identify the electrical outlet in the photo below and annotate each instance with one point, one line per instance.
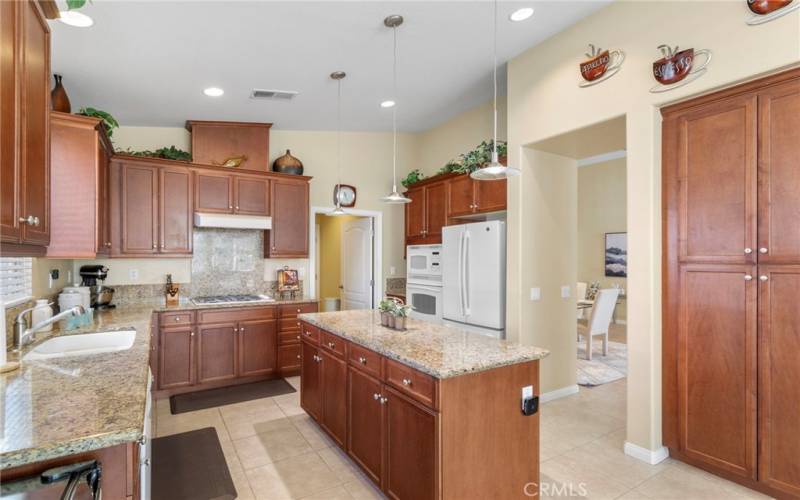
(565, 292)
(536, 293)
(133, 274)
(392, 270)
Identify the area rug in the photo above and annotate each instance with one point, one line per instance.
(602, 369)
(190, 466)
(212, 398)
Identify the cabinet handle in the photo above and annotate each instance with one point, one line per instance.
(748, 250)
(763, 277)
(27, 220)
(384, 400)
(362, 360)
(747, 277)
(406, 381)
(376, 396)
(146, 462)
(763, 250)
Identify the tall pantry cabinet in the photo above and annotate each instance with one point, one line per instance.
(731, 293)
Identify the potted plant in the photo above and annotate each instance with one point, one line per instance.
(413, 177)
(109, 121)
(400, 314)
(386, 307)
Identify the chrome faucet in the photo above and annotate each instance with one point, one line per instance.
(24, 335)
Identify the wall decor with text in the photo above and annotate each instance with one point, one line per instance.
(764, 11)
(678, 67)
(600, 65)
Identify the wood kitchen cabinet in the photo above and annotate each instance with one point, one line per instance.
(80, 152)
(426, 215)
(213, 142)
(175, 214)
(365, 423)
(217, 352)
(176, 357)
(139, 209)
(731, 247)
(311, 381)
(288, 237)
(289, 332)
(334, 396)
(24, 129)
(257, 352)
(231, 194)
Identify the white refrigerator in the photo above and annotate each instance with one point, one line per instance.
(474, 277)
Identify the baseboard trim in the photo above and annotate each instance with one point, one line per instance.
(558, 393)
(651, 457)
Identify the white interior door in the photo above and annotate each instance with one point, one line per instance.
(357, 264)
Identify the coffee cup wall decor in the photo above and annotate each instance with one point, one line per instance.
(765, 11)
(678, 67)
(600, 65)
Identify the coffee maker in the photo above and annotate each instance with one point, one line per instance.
(93, 277)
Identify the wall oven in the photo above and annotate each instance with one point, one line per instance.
(426, 301)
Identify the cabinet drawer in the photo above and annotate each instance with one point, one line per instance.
(310, 333)
(332, 343)
(416, 384)
(288, 325)
(234, 315)
(289, 357)
(365, 360)
(289, 337)
(176, 318)
(292, 310)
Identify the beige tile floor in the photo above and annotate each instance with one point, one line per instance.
(274, 452)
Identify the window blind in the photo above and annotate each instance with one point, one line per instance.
(15, 279)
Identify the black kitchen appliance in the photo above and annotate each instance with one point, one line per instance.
(93, 277)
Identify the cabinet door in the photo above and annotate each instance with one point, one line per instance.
(139, 209)
(213, 193)
(779, 373)
(410, 439)
(175, 210)
(461, 196)
(176, 357)
(251, 195)
(9, 168)
(779, 175)
(289, 359)
(258, 347)
(490, 196)
(435, 211)
(415, 213)
(334, 396)
(103, 203)
(289, 208)
(217, 351)
(716, 159)
(35, 125)
(717, 366)
(310, 382)
(365, 423)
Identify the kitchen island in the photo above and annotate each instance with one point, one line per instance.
(430, 412)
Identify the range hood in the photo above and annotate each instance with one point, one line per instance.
(230, 221)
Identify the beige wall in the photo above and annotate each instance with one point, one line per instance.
(544, 100)
(330, 259)
(601, 209)
(458, 135)
(40, 273)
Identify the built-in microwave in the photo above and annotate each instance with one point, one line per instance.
(424, 264)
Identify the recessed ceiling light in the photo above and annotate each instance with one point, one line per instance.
(213, 91)
(74, 18)
(521, 14)
(387, 104)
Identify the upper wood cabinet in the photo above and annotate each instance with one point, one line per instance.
(442, 200)
(213, 142)
(231, 193)
(175, 214)
(250, 195)
(24, 128)
(139, 209)
(79, 152)
(288, 237)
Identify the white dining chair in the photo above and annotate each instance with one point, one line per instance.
(580, 294)
(600, 319)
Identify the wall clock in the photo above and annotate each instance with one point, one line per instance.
(345, 194)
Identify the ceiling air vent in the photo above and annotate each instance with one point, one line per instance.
(277, 95)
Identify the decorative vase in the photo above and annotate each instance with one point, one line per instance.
(59, 98)
(288, 164)
(400, 323)
(384, 318)
(390, 320)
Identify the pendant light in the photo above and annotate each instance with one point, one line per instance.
(394, 197)
(494, 170)
(338, 76)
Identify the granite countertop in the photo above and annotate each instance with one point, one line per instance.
(438, 350)
(63, 406)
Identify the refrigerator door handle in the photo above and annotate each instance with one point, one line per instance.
(461, 273)
(465, 270)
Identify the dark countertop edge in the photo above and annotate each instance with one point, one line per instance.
(159, 308)
(441, 375)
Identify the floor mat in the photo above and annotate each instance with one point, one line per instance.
(190, 466)
(602, 369)
(212, 398)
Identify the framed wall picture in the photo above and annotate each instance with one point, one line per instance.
(616, 255)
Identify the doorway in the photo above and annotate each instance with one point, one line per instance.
(346, 260)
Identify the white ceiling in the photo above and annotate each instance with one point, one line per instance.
(147, 62)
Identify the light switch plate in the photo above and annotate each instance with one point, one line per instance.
(527, 392)
(536, 293)
(133, 274)
(565, 292)
(392, 270)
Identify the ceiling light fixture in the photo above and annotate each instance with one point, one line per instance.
(387, 104)
(394, 197)
(338, 76)
(213, 91)
(521, 14)
(74, 18)
(494, 170)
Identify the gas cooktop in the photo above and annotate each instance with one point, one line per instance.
(231, 299)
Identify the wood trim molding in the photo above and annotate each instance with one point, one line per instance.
(123, 158)
(212, 123)
(49, 8)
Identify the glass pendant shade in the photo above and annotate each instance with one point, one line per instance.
(395, 198)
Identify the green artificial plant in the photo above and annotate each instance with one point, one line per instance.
(108, 120)
(413, 177)
(168, 153)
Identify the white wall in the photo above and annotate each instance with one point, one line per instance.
(544, 100)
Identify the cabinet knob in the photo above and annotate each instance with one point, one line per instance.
(298, 356)
(298, 323)
(748, 250)
(362, 360)
(237, 207)
(241, 330)
(406, 381)
(108, 244)
(235, 330)
(384, 400)
(27, 220)
(763, 250)
(376, 396)
(763, 277)
(298, 309)
(191, 334)
(230, 207)
(155, 246)
(747, 277)
(36, 221)
(177, 318)
(331, 345)
(298, 337)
